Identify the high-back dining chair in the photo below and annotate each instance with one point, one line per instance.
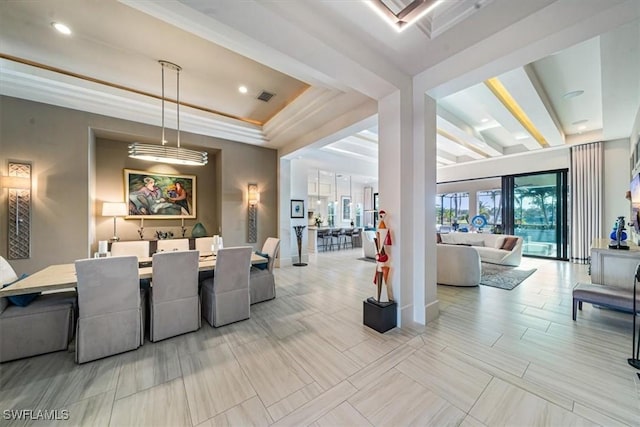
(50, 319)
(173, 298)
(225, 297)
(111, 313)
(203, 244)
(139, 248)
(262, 284)
(165, 245)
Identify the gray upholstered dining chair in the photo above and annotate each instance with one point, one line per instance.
(225, 296)
(262, 284)
(43, 326)
(173, 298)
(165, 245)
(139, 248)
(110, 304)
(203, 244)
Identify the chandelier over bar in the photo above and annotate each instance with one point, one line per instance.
(163, 153)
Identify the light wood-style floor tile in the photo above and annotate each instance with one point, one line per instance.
(163, 405)
(149, 366)
(506, 357)
(249, 413)
(294, 401)
(344, 415)
(317, 407)
(93, 411)
(326, 365)
(214, 382)
(273, 374)
(502, 404)
(395, 399)
(372, 372)
(455, 380)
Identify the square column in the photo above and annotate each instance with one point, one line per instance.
(407, 186)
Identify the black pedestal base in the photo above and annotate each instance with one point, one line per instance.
(380, 316)
(634, 362)
(299, 264)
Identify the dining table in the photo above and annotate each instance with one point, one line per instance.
(63, 276)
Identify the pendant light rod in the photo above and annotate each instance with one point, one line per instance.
(162, 153)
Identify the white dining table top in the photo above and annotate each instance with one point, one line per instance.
(63, 276)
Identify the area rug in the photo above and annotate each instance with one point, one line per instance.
(502, 276)
(367, 259)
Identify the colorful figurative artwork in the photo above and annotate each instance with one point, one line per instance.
(382, 241)
(160, 196)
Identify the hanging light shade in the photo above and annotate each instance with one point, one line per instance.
(163, 153)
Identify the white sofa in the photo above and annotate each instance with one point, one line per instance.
(458, 265)
(368, 245)
(488, 246)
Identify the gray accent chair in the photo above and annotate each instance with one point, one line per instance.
(225, 297)
(44, 326)
(262, 284)
(173, 298)
(111, 309)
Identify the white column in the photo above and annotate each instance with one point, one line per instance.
(293, 186)
(407, 186)
(284, 222)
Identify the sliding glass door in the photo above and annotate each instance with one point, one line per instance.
(536, 210)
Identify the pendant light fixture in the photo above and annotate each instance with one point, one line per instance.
(318, 188)
(163, 153)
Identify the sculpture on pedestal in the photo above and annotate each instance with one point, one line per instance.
(382, 240)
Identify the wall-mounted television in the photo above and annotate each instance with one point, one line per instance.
(635, 202)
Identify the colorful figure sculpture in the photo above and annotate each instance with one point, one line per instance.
(382, 240)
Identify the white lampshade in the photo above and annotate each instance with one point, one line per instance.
(114, 209)
(16, 182)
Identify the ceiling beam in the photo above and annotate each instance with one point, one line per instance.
(500, 92)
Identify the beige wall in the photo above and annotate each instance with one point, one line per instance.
(111, 160)
(67, 186)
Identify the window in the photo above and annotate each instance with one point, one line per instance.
(490, 206)
(452, 208)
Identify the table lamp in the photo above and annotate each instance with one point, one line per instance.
(114, 209)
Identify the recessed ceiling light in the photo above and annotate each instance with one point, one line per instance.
(572, 94)
(580, 122)
(243, 89)
(583, 127)
(61, 28)
(485, 120)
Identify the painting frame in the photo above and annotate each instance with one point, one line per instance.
(297, 208)
(345, 208)
(161, 198)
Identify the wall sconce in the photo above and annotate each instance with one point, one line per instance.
(114, 209)
(19, 231)
(253, 199)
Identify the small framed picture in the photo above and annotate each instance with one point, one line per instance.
(297, 208)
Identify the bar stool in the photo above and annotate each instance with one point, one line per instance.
(348, 238)
(323, 236)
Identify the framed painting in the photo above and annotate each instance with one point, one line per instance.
(297, 208)
(345, 208)
(159, 195)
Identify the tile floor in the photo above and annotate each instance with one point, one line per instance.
(494, 358)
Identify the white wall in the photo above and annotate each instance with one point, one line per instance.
(547, 159)
(616, 182)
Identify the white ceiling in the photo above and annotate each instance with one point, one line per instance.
(328, 62)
